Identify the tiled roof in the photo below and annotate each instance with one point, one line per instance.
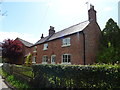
(25, 42)
(68, 31)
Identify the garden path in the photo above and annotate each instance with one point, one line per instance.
(3, 86)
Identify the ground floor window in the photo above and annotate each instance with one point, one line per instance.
(53, 59)
(34, 59)
(66, 58)
(44, 59)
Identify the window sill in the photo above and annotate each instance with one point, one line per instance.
(45, 49)
(33, 62)
(44, 62)
(66, 45)
(52, 62)
(34, 51)
(66, 63)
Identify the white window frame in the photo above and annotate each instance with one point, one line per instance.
(52, 59)
(66, 42)
(46, 59)
(45, 46)
(34, 59)
(67, 59)
(35, 49)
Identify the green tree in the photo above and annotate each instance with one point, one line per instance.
(110, 43)
(111, 34)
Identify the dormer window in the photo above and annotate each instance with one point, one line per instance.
(45, 46)
(66, 42)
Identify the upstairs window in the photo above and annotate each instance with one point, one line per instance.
(45, 46)
(35, 49)
(66, 59)
(66, 42)
(44, 59)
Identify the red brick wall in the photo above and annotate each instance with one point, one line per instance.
(55, 48)
(25, 52)
(92, 40)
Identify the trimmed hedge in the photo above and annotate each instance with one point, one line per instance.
(76, 76)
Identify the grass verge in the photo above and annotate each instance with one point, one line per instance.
(13, 81)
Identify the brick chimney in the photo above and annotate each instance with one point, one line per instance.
(51, 30)
(92, 14)
(42, 36)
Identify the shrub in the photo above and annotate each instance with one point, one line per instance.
(76, 76)
(28, 61)
(16, 83)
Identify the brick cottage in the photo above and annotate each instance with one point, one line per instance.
(26, 49)
(77, 44)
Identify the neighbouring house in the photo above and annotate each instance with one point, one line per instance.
(77, 44)
(26, 49)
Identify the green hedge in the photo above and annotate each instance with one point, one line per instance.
(73, 76)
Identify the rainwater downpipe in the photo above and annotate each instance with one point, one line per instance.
(84, 58)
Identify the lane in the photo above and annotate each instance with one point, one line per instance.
(3, 86)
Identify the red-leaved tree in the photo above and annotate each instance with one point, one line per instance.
(11, 50)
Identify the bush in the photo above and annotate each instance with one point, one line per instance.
(28, 61)
(16, 83)
(76, 76)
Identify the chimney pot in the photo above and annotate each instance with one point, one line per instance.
(42, 36)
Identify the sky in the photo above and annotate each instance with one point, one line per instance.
(29, 19)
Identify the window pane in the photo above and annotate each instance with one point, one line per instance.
(69, 58)
(63, 58)
(68, 40)
(46, 58)
(43, 59)
(64, 41)
(45, 46)
(34, 59)
(53, 58)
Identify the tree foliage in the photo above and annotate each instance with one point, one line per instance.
(11, 49)
(110, 43)
(28, 60)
